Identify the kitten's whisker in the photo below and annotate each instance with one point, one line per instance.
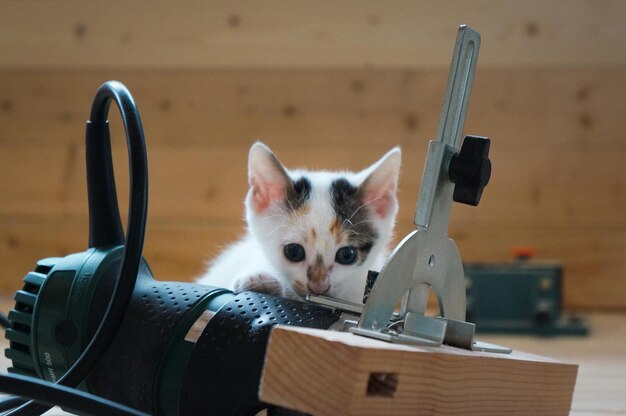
(351, 231)
(269, 217)
(364, 205)
(361, 222)
(276, 229)
(356, 233)
(291, 205)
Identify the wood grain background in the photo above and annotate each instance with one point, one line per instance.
(326, 85)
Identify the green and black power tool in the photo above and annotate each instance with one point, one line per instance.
(99, 321)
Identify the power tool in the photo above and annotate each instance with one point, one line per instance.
(99, 320)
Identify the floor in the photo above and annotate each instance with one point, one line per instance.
(601, 356)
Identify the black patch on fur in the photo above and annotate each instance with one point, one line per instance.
(364, 250)
(346, 198)
(366, 246)
(355, 218)
(298, 193)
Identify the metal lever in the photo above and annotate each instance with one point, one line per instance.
(427, 257)
(447, 143)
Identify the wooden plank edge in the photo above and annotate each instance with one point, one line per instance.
(329, 373)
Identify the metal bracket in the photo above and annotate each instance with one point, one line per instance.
(427, 257)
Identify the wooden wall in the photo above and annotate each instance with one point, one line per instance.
(326, 85)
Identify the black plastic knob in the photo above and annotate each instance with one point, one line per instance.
(470, 170)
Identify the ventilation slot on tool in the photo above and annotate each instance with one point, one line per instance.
(21, 317)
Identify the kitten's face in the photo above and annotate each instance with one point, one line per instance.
(322, 230)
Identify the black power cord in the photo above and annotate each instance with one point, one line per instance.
(100, 175)
(69, 399)
(11, 403)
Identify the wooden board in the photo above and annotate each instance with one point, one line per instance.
(307, 34)
(527, 187)
(331, 373)
(551, 109)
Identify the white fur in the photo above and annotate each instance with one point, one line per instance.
(258, 262)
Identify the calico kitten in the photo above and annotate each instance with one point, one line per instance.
(310, 231)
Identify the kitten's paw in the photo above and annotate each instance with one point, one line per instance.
(261, 282)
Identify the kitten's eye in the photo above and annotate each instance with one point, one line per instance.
(346, 255)
(294, 252)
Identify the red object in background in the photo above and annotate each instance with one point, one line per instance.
(524, 253)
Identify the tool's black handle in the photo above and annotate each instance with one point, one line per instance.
(105, 225)
(105, 228)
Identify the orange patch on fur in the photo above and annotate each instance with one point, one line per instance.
(299, 288)
(316, 273)
(335, 229)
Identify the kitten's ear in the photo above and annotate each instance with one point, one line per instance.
(267, 177)
(380, 185)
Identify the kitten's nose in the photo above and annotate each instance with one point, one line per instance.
(317, 287)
